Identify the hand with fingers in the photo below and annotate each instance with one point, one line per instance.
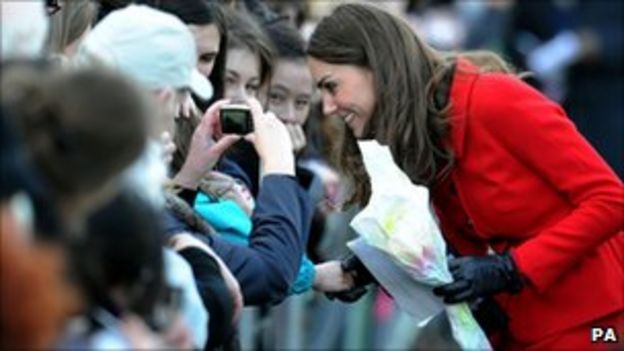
(168, 147)
(272, 141)
(207, 146)
(480, 276)
(331, 190)
(187, 108)
(361, 279)
(330, 277)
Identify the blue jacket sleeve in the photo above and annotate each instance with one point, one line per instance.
(267, 268)
(305, 277)
(281, 221)
(235, 226)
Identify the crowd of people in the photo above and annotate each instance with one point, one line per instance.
(131, 219)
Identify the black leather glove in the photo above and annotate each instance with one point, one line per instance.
(479, 276)
(348, 296)
(361, 278)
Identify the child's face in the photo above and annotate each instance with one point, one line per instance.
(242, 74)
(290, 91)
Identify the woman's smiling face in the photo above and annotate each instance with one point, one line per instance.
(347, 92)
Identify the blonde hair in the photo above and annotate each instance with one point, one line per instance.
(69, 24)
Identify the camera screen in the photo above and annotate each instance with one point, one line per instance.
(235, 121)
(237, 116)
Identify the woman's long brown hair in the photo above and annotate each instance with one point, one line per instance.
(410, 113)
(403, 70)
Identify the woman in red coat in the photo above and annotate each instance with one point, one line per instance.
(528, 204)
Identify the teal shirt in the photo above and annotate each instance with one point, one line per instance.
(233, 224)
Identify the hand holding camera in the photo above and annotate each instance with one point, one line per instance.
(207, 145)
(235, 119)
(271, 140)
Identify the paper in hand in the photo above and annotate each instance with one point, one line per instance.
(412, 296)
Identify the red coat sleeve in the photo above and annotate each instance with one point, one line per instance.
(538, 133)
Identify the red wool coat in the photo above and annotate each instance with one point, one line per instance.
(525, 180)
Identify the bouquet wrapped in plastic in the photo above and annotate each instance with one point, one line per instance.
(398, 220)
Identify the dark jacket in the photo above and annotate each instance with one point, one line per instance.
(281, 222)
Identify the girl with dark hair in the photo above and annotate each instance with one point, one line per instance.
(290, 88)
(288, 94)
(121, 258)
(225, 201)
(126, 275)
(250, 56)
(534, 210)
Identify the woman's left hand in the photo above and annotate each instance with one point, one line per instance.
(479, 276)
